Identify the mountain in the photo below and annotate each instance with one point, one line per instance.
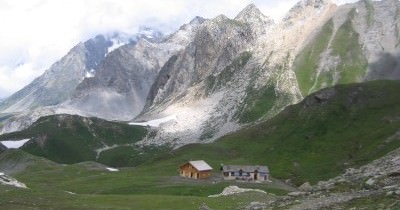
(331, 132)
(240, 72)
(358, 43)
(327, 132)
(123, 79)
(46, 94)
(247, 69)
(61, 79)
(58, 83)
(43, 96)
(215, 76)
(295, 95)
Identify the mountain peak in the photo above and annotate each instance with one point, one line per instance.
(251, 7)
(303, 5)
(310, 3)
(251, 14)
(197, 20)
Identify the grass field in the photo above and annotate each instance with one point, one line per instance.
(89, 185)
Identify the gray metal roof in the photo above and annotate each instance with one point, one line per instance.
(200, 165)
(231, 168)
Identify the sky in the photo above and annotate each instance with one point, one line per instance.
(37, 33)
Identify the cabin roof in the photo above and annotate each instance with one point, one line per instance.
(260, 169)
(200, 165)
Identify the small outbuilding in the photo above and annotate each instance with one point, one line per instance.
(243, 172)
(197, 169)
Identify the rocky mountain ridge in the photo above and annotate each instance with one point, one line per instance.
(318, 44)
(94, 85)
(215, 76)
(124, 79)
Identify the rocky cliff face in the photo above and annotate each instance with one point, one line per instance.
(358, 43)
(268, 65)
(57, 83)
(123, 80)
(189, 86)
(112, 81)
(236, 71)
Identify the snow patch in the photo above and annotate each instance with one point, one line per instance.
(116, 44)
(230, 190)
(14, 144)
(148, 32)
(112, 169)
(156, 122)
(8, 180)
(90, 74)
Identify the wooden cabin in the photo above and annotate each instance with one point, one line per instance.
(243, 172)
(198, 169)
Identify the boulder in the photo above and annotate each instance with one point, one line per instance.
(255, 206)
(297, 193)
(306, 187)
(370, 182)
(204, 207)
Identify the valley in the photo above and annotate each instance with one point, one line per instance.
(313, 96)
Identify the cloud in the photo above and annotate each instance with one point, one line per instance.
(36, 33)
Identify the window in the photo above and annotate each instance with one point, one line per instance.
(232, 173)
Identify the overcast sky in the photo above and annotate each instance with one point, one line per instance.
(36, 33)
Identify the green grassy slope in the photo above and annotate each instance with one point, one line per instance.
(306, 62)
(310, 141)
(89, 185)
(15, 161)
(72, 139)
(2, 148)
(344, 45)
(257, 103)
